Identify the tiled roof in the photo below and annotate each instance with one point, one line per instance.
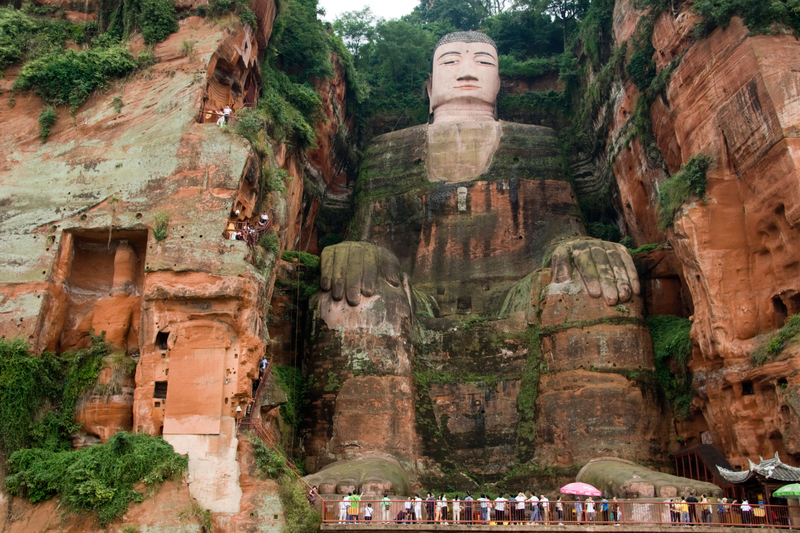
(770, 469)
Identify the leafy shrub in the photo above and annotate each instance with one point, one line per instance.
(157, 19)
(117, 103)
(329, 240)
(270, 462)
(641, 67)
(47, 117)
(606, 232)
(310, 260)
(69, 77)
(24, 35)
(99, 479)
(672, 347)
(291, 380)
(677, 189)
(643, 249)
(270, 242)
(38, 395)
(776, 342)
(300, 517)
(160, 225)
(531, 68)
(758, 15)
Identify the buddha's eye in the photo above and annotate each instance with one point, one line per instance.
(451, 62)
(486, 63)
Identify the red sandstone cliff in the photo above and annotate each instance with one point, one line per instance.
(731, 97)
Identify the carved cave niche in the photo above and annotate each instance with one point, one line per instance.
(101, 277)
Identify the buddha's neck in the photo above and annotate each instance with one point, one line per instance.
(463, 112)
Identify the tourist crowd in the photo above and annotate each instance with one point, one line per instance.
(529, 509)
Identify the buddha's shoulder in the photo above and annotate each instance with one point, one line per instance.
(516, 129)
(411, 137)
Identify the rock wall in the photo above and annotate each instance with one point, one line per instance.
(733, 97)
(81, 251)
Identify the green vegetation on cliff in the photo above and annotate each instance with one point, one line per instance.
(679, 188)
(38, 37)
(100, 479)
(39, 394)
(291, 380)
(774, 343)
(272, 464)
(38, 399)
(672, 348)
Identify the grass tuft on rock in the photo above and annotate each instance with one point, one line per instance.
(774, 344)
(677, 189)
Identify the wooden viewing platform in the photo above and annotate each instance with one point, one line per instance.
(568, 526)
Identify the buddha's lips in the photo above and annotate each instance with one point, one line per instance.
(467, 87)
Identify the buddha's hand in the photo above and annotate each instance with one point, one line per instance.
(606, 269)
(352, 269)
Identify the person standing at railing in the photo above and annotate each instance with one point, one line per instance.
(560, 511)
(692, 501)
(500, 509)
(430, 504)
(368, 512)
(721, 510)
(443, 505)
(485, 506)
(578, 509)
(746, 516)
(545, 503)
(343, 505)
(468, 507)
(417, 508)
(674, 512)
(705, 510)
(534, 501)
(409, 513)
(519, 512)
(386, 508)
(456, 509)
(684, 512)
(590, 509)
(312, 496)
(352, 511)
(616, 510)
(604, 510)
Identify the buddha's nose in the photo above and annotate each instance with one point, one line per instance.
(467, 71)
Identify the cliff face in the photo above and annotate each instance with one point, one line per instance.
(120, 223)
(733, 97)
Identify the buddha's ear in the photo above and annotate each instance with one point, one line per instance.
(428, 89)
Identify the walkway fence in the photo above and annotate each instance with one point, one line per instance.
(558, 513)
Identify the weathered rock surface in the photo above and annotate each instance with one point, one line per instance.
(731, 97)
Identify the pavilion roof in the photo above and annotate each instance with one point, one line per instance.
(769, 469)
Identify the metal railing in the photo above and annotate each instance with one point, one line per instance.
(555, 512)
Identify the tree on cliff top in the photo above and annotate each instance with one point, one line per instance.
(567, 12)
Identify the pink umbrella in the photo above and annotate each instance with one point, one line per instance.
(581, 489)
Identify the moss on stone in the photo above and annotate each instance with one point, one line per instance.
(528, 394)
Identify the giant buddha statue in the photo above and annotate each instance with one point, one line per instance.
(463, 222)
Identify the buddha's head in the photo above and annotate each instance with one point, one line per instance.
(465, 80)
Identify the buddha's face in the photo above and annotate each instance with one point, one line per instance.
(465, 80)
